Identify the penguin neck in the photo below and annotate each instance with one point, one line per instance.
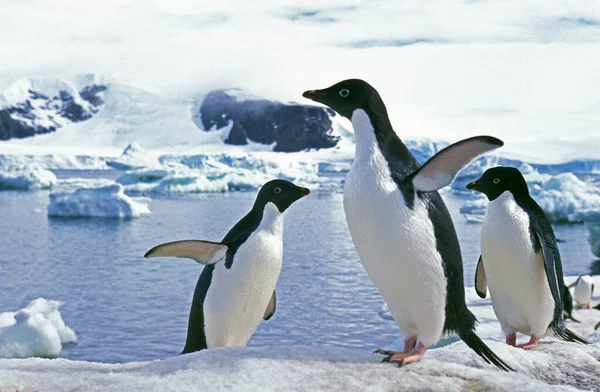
(271, 220)
(373, 131)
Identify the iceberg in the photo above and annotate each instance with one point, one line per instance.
(594, 236)
(105, 202)
(37, 330)
(28, 177)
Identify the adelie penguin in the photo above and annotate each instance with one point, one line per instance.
(236, 289)
(400, 226)
(520, 261)
(584, 290)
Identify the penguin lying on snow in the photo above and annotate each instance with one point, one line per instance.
(520, 261)
(400, 226)
(584, 290)
(236, 289)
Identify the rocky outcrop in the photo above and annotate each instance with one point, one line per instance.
(39, 113)
(291, 127)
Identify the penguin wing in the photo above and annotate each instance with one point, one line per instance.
(480, 280)
(550, 267)
(440, 170)
(270, 307)
(203, 252)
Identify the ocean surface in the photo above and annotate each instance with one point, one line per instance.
(127, 308)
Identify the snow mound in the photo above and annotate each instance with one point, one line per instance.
(37, 330)
(106, 202)
(552, 367)
(27, 177)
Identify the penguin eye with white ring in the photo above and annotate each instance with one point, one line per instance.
(344, 92)
(277, 190)
(496, 180)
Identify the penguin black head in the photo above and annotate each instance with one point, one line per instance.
(346, 96)
(282, 193)
(497, 180)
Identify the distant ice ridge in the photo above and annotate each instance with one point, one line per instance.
(563, 197)
(105, 202)
(37, 330)
(28, 177)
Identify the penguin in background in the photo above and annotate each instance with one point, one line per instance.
(584, 290)
(520, 261)
(236, 288)
(400, 226)
(568, 305)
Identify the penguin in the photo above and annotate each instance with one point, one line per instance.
(236, 288)
(520, 261)
(400, 226)
(568, 305)
(584, 289)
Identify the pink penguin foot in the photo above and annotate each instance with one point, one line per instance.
(531, 344)
(511, 339)
(409, 345)
(402, 359)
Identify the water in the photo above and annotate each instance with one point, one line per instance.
(127, 308)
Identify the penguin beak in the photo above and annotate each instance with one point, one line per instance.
(472, 185)
(304, 192)
(314, 95)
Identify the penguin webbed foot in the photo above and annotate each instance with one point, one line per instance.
(404, 358)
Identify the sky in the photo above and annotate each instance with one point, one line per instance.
(525, 71)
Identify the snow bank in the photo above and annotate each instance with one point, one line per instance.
(37, 330)
(27, 177)
(551, 367)
(105, 202)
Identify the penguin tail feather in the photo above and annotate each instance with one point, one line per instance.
(477, 345)
(569, 336)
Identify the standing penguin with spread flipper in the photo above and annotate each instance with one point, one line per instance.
(236, 289)
(400, 226)
(520, 261)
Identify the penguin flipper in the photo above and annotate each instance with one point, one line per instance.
(597, 326)
(550, 267)
(440, 170)
(480, 279)
(203, 252)
(270, 307)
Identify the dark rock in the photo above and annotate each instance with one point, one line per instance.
(291, 127)
(41, 114)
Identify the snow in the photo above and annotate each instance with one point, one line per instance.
(553, 365)
(105, 202)
(37, 330)
(28, 177)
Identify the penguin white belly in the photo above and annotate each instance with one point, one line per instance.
(397, 247)
(583, 291)
(516, 277)
(238, 297)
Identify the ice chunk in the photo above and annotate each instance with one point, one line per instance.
(28, 177)
(106, 202)
(565, 198)
(594, 236)
(133, 157)
(37, 330)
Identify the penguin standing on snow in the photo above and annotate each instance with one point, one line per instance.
(520, 261)
(584, 290)
(236, 289)
(400, 226)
